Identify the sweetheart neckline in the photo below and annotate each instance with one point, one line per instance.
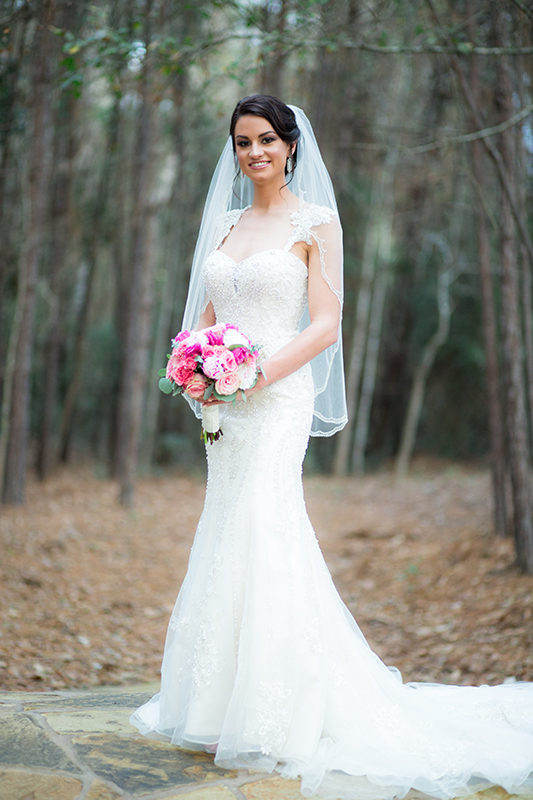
(260, 253)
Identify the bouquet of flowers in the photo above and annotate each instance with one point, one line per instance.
(219, 361)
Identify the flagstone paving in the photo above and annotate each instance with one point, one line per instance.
(80, 746)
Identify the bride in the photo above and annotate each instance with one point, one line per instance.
(263, 663)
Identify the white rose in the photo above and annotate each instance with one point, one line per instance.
(233, 337)
(247, 374)
(197, 337)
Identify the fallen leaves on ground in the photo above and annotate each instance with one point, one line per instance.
(88, 587)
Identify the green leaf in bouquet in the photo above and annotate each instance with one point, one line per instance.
(226, 398)
(239, 346)
(165, 385)
(209, 391)
(162, 373)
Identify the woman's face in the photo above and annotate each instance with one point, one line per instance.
(261, 153)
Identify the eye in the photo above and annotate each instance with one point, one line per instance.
(268, 139)
(243, 143)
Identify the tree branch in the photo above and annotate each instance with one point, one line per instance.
(308, 43)
(461, 139)
(527, 11)
(471, 137)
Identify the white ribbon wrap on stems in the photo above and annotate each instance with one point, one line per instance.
(210, 418)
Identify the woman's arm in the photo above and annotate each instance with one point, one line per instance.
(207, 318)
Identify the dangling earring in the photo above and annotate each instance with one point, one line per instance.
(290, 164)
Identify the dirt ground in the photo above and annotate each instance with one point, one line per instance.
(87, 587)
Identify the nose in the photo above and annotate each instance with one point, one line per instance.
(256, 149)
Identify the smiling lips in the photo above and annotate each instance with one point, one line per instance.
(259, 164)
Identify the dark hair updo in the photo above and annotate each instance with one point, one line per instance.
(280, 116)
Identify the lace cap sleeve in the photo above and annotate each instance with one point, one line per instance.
(309, 225)
(306, 219)
(224, 225)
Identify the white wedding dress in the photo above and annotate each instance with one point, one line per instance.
(262, 657)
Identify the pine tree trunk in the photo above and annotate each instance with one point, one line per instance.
(526, 266)
(495, 414)
(11, 69)
(135, 360)
(368, 382)
(362, 316)
(380, 214)
(19, 416)
(90, 249)
(499, 478)
(273, 69)
(517, 427)
(62, 228)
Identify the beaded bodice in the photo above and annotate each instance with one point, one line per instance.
(265, 294)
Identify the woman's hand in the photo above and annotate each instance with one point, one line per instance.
(259, 384)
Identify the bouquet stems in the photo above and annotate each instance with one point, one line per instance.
(210, 424)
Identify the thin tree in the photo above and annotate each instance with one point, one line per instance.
(17, 380)
(62, 229)
(384, 259)
(512, 343)
(489, 319)
(134, 366)
(427, 359)
(379, 222)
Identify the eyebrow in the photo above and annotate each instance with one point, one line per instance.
(242, 136)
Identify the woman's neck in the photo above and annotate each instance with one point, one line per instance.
(268, 199)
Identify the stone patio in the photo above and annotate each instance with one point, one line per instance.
(80, 746)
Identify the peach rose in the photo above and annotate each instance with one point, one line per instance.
(228, 383)
(197, 386)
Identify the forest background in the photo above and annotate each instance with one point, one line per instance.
(112, 116)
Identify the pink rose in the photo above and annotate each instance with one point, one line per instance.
(215, 334)
(191, 349)
(179, 349)
(207, 351)
(228, 360)
(180, 370)
(197, 386)
(181, 336)
(240, 355)
(228, 383)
